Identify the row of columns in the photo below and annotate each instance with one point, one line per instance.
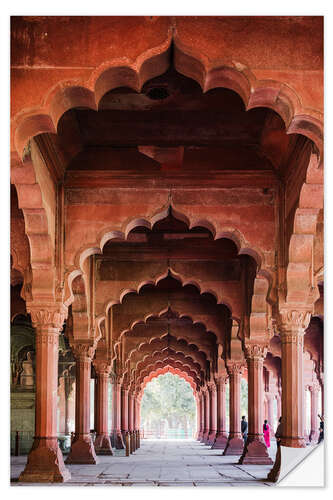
(212, 410)
(45, 461)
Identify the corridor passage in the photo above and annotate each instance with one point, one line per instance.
(163, 463)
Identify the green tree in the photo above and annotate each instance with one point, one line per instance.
(168, 398)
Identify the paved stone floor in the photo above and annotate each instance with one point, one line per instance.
(163, 463)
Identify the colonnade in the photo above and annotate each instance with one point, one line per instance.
(45, 461)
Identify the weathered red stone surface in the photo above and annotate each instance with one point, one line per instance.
(45, 461)
(221, 433)
(102, 442)
(235, 442)
(167, 188)
(255, 450)
(82, 448)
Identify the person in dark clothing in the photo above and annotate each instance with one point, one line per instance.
(244, 428)
(321, 429)
(278, 432)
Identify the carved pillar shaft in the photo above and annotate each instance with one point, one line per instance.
(207, 416)
(235, 442)
(124, 410)
(221, 434)
(68, 385)
(270, 410)
(102, 441)
(202, 416)
(45, 461)
(82, 449)
(255, 450)
(131, 412)
(119, 442)
(292, 335)
(314, 434)
(212, 415)
(279, 412)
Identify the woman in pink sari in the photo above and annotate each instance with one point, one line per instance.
(266, 431)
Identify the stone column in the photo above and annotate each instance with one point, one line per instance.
(279, 412)
(293, 324)
(305, 434)
(255, 450)
(235, 442)
(212, 414)
(202, 416)
(102, 441)
(207, 416)
(221, 435)
(131, 420)
(68, 385)
(270, 411)
(45, 461)
(124, 411)
(82, 449)
(119, 442)
(314, 434)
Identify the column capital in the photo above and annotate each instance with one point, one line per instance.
(102, 367)
(211, 386)
(221, 378)
(255, 350)
(235, 367)
(292, 323)
(49, 316)
(83, 351)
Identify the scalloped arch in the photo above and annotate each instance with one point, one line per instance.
(154, 62)
(169, 369)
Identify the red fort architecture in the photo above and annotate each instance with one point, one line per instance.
(166, 217)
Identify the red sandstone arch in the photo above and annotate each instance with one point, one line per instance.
(154, 62)
(169, 363)
(196, 319)
(154, 344)
(164, 348)
(168, 369)
(209, 74)
(165, 355)
(231, 301)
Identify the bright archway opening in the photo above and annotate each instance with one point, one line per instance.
(168, 409)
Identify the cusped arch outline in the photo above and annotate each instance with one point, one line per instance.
(69, 94)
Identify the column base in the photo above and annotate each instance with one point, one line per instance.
(220, 442)
(200, 435)
(103, 445)
(255, 452)
(82, 451)
(211, 437)
(204, 437)
(235, 446)
(119, 442)
(45, 463)
(296, 442)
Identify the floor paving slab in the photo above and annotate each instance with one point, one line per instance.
(161, 463)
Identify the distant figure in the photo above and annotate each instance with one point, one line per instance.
(321, 429)
(244, 428)
(266, 431)
(278, 433)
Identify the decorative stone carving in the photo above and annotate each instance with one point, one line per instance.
(256, 351)
(83, 351)
(102, 367)
(235, 367)
(53, 316)
(293, 319)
